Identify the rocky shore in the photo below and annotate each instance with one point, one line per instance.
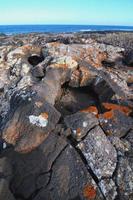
(66, 107)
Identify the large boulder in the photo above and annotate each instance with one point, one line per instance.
(30, 120)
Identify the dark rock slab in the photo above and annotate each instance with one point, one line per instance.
(99, 153)
(70, 179)
(5, 193)
(80, 123)
(115, 123)
(32, 171)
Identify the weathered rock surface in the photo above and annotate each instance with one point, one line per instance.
(80, 123)
(29, 122)
(66, 107)
(108, 188)
(70, 179)
(5, 179)
(100, 154)
(116, 121)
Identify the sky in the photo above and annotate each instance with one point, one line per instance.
(94, 12)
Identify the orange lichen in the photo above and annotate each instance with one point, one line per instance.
(91, 109)
(55, 44)
(30, 49)
(89, 192)
(24, 146)
(95, 61)
(78, 132)
(108, 115)
(59, 65)
(44, 115)
(111, 106)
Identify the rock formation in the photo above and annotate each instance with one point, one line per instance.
(66, 117)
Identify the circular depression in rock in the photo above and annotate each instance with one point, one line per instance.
(35, 59)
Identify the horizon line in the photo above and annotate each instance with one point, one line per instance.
(65, 24)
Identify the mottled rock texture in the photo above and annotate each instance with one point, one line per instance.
(66, 127)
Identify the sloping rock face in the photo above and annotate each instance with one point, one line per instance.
(65, 117)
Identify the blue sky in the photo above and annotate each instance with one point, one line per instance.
(106, 12)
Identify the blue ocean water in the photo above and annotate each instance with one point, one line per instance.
(15, 29)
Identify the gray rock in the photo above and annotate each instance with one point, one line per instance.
(124, 178)
(116, 123)
(108, 189)
(101, 156)
(121, 145)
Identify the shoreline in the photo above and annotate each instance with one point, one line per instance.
(77, 32)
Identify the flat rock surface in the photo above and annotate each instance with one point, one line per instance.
(100, 154)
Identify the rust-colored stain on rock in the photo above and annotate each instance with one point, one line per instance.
(44, 115)
(91, 109)
(61, 65)
(108, 115)
(111, 106)
(89, 192)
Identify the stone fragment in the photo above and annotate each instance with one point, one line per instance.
(115, 122)
(80, 123)
(99, 153)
